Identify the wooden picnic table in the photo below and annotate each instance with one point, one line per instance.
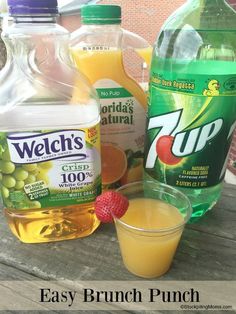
(207, 252)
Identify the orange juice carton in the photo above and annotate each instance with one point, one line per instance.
(98, 50)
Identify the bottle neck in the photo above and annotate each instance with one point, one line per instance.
(36, 19)
(209, 3)
(106, 27)
(207, 14)
(37, 42)
(98, 36)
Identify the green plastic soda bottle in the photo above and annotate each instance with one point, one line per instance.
(192, 101)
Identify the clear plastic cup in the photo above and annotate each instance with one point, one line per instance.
(150, 231)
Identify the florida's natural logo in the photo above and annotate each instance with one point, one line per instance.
(118, 113)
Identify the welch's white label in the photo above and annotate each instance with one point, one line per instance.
(38, 147)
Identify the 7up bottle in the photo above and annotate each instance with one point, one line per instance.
(192, 101)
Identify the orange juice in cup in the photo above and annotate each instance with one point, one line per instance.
(150, 230)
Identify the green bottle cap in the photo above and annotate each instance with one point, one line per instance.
(101, 14)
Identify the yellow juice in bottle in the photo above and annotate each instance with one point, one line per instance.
(106, 72)
(35, 226)
(149, 254)
(97, 48)
(102, 65)
(145, 54)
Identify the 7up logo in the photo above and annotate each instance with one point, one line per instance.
(170, 145)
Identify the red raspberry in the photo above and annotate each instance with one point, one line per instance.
(110, 203)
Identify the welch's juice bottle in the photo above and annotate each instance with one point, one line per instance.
(50, 166)
(192, 101)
